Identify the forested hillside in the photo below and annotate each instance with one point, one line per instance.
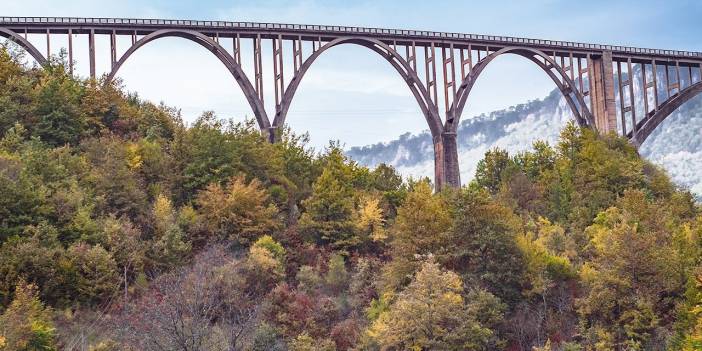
(121, 228)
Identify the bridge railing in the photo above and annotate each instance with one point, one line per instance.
(345, 29)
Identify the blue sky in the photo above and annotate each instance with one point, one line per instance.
(349, 94)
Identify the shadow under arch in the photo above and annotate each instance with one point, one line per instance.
(566, 86)
(221, 53)
(429, 109)
(648, 125)
(25, 44)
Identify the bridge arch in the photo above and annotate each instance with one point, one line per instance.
(573, 97)
(429, 109)
(648, 125)
(221, 53)
(25, 44)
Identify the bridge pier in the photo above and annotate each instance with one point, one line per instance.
(602, 99)
(446, 170)
(273, 134)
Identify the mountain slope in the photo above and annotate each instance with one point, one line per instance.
(676, 144)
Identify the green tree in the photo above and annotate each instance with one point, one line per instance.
(41, 261)
(23, 202)
(213, 152)
(337, 277)
(328, 216)
(17, 93)
(482, 245)
(117, 188)
(491, 169)
(60, 120)
(422, 227)
(96, 273)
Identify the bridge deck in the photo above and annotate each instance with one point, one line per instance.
(228, 29)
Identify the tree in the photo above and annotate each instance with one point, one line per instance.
(547, 274)
(337, 277)
(482, 245)
(328, 216)
(432, 313)
(689, 324)
(96, 273)
(124, 242)
(491, 169)
(535, 163)
(370, 220)
(389, 183)
(290, 310)
(299, 171)
(633, 271)
(60, 120)
(36, 261)
(200, 307)
(212, 151)
(17, 93)
(169, 244)
(304, 342)
(23, 202)
(266, 338)
(421, 227)
(264, 267)
(239, 212)
(118, 189)
(26, 324)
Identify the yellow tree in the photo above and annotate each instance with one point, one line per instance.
(26, 325)
(432, 314)
(239, 212)
(633, 271)
(370, 219)
(169, 245)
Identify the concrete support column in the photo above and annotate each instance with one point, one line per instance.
(272, 134)
(446, 170)
(602, 99)
(439, 178)
(452, 174)
(91, 52)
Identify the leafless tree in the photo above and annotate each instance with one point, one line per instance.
(200, 307)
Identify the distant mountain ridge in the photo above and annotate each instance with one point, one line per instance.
(676, 144)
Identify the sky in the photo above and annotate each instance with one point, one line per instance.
(349, 94)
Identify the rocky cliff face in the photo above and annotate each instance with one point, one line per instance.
(676, 144)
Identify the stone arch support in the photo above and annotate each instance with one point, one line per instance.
(25, 44)
(222, 54)
(573, 97)
(420, 93)
(648, 125)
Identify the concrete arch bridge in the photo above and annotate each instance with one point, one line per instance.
(610, 88)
